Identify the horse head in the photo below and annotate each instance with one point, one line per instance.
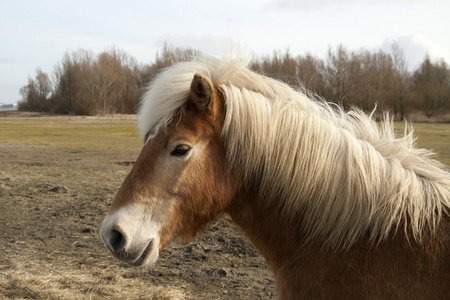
(179, 184)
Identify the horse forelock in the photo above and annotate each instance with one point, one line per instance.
(344, 175)
(169, 91)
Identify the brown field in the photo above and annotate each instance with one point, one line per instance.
(58, 174)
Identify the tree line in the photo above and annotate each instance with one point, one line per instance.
(113, 82)
(86, 84)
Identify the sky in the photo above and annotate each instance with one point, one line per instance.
(37, 33)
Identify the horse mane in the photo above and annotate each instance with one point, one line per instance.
(339, 173)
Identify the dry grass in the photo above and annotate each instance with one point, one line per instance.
(58, 175)
(66, 141)
(79, 284)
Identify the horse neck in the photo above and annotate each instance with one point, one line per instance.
(276, 237)
(340, 184)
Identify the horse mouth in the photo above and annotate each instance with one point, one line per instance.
(142, 258)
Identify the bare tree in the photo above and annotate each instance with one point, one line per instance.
(67, 76)
(401, 81)
(337, 73)
(36, 93)
(311, 72)
(113, 82)
(171, 55)
(432, 84)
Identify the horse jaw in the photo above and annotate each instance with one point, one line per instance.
(132, 235)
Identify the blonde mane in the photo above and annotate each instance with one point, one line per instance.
(339, 173)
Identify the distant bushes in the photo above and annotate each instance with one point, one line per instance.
(366, 79)
(113, 82)
(85, 84)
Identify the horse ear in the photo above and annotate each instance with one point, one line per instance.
(202, 93)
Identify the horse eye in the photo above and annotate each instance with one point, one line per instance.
(181, 150)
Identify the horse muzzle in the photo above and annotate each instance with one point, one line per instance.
(130, 239)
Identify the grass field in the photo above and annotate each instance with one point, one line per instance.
(118, 132)
(58, 175)
(434, 136)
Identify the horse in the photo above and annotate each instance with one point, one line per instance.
(339, 206)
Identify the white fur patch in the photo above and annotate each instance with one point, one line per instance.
(139, 227)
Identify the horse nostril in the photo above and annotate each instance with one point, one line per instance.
(117, 241)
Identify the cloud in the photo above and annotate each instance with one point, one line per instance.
(288, 5)
(313, 4)
(415, 48)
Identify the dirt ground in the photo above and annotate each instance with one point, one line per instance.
(57, 177)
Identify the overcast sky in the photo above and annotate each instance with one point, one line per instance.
(37, 33)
